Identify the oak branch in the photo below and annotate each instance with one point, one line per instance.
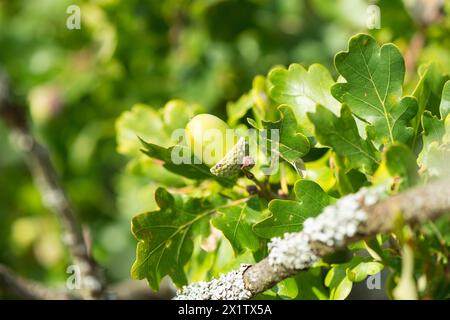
(325, 234)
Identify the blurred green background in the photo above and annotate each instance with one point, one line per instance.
(77, 82)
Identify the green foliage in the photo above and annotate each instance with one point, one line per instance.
(435, 137)
(370, 143)
(165, 236)
(290, 144)
(342, 135)
(236, 224)
(193, 170)
(444, 107)
(373, 90)
(428, 91)
(288, 215)
(303, 89)
(340, 277)
(97, 98)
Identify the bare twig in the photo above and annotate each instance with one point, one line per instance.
(18, 287)
(413, 51)
(263, 188)
(23, 288)
(52, 192)
(424, 13)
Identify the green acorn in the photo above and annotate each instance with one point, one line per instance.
(208, 139)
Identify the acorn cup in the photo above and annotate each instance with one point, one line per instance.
(234, 161)
(232, 158)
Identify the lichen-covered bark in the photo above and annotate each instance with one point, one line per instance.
(414, 206)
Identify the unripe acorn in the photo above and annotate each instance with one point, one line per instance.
(212, 141)
(207, 137)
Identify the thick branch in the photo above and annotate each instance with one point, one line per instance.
(299, 251)
(416, 205)
(413, 206)
(52, 192)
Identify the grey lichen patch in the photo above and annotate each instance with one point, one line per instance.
(332, 228)
(229, 286)
(292, 251)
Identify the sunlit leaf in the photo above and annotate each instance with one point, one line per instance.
(236, 224)
(373, 90)
(288, 215)
(303, 89)
(342, 135)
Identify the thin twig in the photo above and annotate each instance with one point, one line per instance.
(19, 287)
(413, 51)
(263, 188)
(52, 192)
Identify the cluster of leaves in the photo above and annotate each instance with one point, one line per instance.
(77, 82)
(335, 137)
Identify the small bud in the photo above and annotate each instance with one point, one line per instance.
(248, 162)
(252, 190)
